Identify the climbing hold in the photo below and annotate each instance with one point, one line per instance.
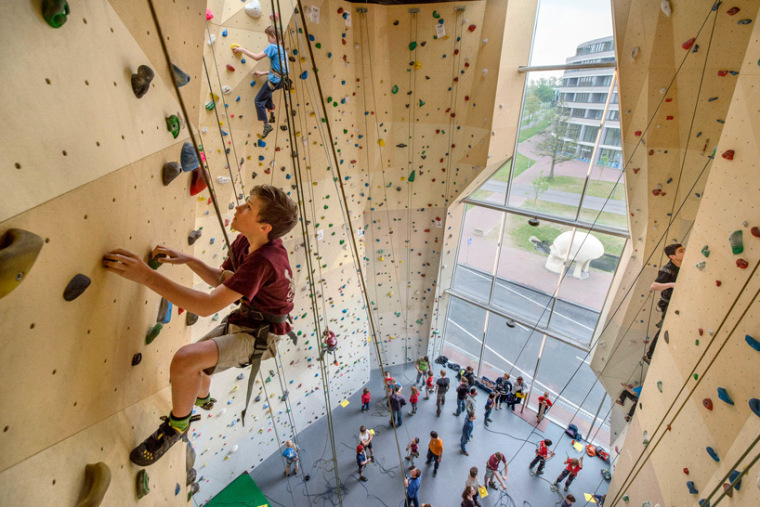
(686, 471)
(417, 65)
(304, 74)
(394, 90)
(665, 8)
(752, 342)
(181, 78)
(55, 12)
(188, 158)
(625, 498)
(436, 15)
(646, 438)
(412, 45)
(210, 106)
(472, 28)
(755, 232)
(76, 287)
(728, 154)
(706, 251)
(141, 80)
(198, 182)
(723, 395)
(193, 236)
(692, 489)
(534, 222)
(177, 489)
(381, 142)
(136, 359)
(18, 252)
(164, 311)
(733, 479)
(713, 454)
(666, 337)
(191, 318)
(209, 15)
(169, 172)
(659, 385)
(728, 490)
(253, 9)
(687, 45)
(736, 242)
(718, 283)
(732, 11)
(97, 478)
(701, 265)
(411, 177)
(153, 333)
(742, 264)
(703, 502)
(230, 67)
(172, 125)
(744, 22)
(142, 485)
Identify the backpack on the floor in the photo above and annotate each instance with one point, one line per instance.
(572, 430)
(453, 366)
(442, 360)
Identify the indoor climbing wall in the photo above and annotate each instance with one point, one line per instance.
(689, 95)
(677, 76)
(85, 163)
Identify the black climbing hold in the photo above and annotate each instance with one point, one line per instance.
(285, 395)
(754, 405)
(136, 359)
(191, 319)
(181, 78)
(170, 171)
(193, 236)
(666, 337)
(97, 478)
(401, 145)
(153, 260)
(283, 128)
(258, 398)
(141, 80)
(76, 287)
(18, 252)
(510, 323)
(142, 486)
(191, 475)
(534, 222)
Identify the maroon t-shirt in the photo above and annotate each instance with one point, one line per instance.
(264, 278)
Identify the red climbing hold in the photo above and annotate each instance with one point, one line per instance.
(741, 264)
(668, 117)
(686, 471)
(669, 99)
(637, 133)
(701, 331)
(717, 283)
(707, 402)
(230, 68)
(651, 152)
(732, 11)
(636, 170)
(340, 10)
(728, 154)
(687, 45)
(198, 183)
(722, 73)
(472, 28)
(755, 232)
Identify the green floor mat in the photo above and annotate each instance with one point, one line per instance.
(241, 491)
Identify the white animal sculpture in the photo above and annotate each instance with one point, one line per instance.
(585, 249)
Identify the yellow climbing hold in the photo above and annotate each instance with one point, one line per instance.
(417, 65)
(382, 258)
(381, 142)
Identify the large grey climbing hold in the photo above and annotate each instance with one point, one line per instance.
(169, 172)
(181, 78)
(189, 457)
(97, 478)
(76, 287)
(141, 80)
(193, 236)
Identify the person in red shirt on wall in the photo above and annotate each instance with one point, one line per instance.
(542, 454)
(544, 404)
(573, 467)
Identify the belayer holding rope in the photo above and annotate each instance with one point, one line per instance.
(262, 280)
(276, 75)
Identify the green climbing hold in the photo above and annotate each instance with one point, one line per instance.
(422, 102)
(696, 376)
(55, 12)
(394, 90)
(153, 333)
(143, 488)
(735, 240)
(411, 176)
(436, 15)
(210, 106)
(706, 251)
(659, 385)
(412, 45)
(172, 125)
(18, 252)
(625, 498)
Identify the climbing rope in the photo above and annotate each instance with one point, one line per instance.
(206, 177)
(456, 72)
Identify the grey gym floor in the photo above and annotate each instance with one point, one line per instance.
(385, 486)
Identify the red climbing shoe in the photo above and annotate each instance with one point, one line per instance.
(156, 445)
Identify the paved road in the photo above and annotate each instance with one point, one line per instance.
(522, 190)
(568, 319)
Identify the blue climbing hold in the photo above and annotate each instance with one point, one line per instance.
(304, 74)
(253, 83)
(752, 342)
(713, 454)
(733, 477)
(723, 395)
(311, 38)
(237, 99)
(261, 143)
(754, 405)
(224, 33)
(703, 502)
(188, 159)
(692, 489)
(176, 489)
(164, 311)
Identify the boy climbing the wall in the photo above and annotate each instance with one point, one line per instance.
(664, 283)
(278, 70)
(262, 281)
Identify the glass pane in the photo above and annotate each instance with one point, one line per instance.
(604, 202)
(526, 276)
(566, 31)
(464, 333)
(477, 252)
(509, 349)
(494, 191)
(585, 286)
(558, 362)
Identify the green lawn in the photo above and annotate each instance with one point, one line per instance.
(595, 188)
(522, 163)
(527, 133)
(612, 244)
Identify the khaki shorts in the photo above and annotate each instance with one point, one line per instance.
(236, 346)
